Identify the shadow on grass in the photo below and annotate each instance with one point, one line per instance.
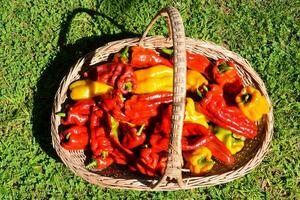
(58, 68)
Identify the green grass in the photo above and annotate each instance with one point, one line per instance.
(39, 41)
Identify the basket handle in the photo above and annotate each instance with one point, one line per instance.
(177, 35)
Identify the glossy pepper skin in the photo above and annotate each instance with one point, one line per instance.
(214, 107)
(115, 74)
(232, 143)
(160, 78)
(84, 89)
(78, 114)
(99, 141)
(199, 161)
(153, 79)
(226, 75)
(131, 137)
(139, 109)
(194, 136)
(194, 80)
(147, 162)
(252, 103)
(141, 57)
(195, 62)
(220, 151)
(192, 115)
(120, 154)
(100, 162)
(75, 138)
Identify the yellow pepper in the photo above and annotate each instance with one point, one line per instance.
(84, 89)
(252, 103)
(199, 161)
(160, 78)
(233, 142)
(192, 115)
(194, 80)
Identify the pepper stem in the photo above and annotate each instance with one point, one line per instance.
(61, 114)
(128, 86)
(125, 53)
(104, 154)
(199, 93)
(223, 68)
(167, 51)
(67, 137)
(92, 165)
(140, 130)
(246, 98)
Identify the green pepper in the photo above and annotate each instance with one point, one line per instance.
(233, 142)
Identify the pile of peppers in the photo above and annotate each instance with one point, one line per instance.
(120, 112)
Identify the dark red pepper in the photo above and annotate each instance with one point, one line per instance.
(213, 106)
(116, 74)
(78, 114)
(131, 137)
(147, 162)
(75, 138)
(100, 141)
(140, 108)
(121, 154)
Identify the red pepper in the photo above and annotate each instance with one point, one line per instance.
(115, 74)
(214, 107)
(162, 163)
(140, 108)
(194, 136)
(75, 138)
(159, 142)
(147, 162)
(196, 62)
(131, 137)
(220, 151)
(99, 141)
(141, 57)
(113, 104)
(121, 154)
(100, 162)
(226, 75)
(78, 114)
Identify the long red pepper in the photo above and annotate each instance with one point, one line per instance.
(214, 107)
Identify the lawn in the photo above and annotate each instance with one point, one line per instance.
(39, 41)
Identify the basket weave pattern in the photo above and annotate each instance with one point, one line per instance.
(116, 177)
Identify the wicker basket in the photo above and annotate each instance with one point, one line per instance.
(174, 178)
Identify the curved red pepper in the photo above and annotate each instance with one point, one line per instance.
(131, 137)
(75, 138)
(214, 107)
(78, 114)
(141, 57)
(220, 151)
(159, 142)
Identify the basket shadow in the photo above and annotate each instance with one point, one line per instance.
(56, 69)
